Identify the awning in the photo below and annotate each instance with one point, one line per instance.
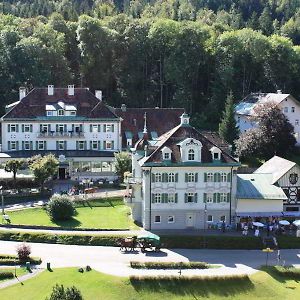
(259, 214)
(291, 213)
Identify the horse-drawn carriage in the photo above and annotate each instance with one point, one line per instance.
(144, 241)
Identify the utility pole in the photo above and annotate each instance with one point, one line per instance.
(161, 83)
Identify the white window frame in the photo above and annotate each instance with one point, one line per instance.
(73, 113)
(191, 177)
(216, 155)
(221, 217)
(171, 198)
(210, 220)
(210, 177)
(171, 177)
(209, 198)
(223, 197)
(157, 198)
(155, 219)
(13, 145)
(61, 126)
(167, 155)
(44, 127)
(95, 143)
(13, 127)
(60, 112)
(292, 109)
(61, 145)
(190, 196)
(49, 113)
(108, 145)
(95, 128)
(81, 145)
(191, 155)
(158, 177)
(286, 109)
(26, 127)
(108, 127)
(41, 143)
(26, 145)
(171, 219)
(223, 177)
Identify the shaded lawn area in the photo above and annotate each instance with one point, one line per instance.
(20, 272)
(94, 285)
(112, 215)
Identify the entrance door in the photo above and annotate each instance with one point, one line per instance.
(62, 173)
(190, 220)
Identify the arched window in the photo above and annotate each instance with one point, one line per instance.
(191, 154)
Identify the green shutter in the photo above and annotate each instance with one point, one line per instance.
(152, 197)
(85, 145)
(204, 197)
(99, 128)
(228, 197)
(23, 127)
(31, 145)
(8, 145)
(8, 127)
(196, 177)
(219, 177)
(104, 128)
(41, 130)
(104, 145)
(91, 145)
(65, 127)
(49, 127)
(57, 145)
(228, 177)
(164, 177)
(164, 198)
(80, 128)
(99, 145)
(36, 145)
(186, 177)
(215, 177)
(30, 127)
(205, 177)
(195, 197)
(23, 145)
(176, 177)
(17, 145)
(176, 198)
(215, 198)
(65, 145)
(153, 177)
(91, 127)
(218, 197)
(73, 127)
(17, 128)
(112, 128)
(112, 145)
(45, 145)
(56, 127)
(185, 197)
(76, 145)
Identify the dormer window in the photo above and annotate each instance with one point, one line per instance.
(166, 153)
(60, 112)
(49, 113)
(216, 153)
(191, 154)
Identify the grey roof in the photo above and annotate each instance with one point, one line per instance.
(258, 186)
(277, 166)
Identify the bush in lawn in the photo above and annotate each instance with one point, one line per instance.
(6, 275)
(60, 293)
(23, 252)
(60, 208)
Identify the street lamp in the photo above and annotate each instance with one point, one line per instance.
(2, 199)
(205, 217)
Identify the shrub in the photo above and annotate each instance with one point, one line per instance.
(6, 275)
(60, 293)
(60, 208)
(168, 265)
(288, 271)
(11, 260)
(23, 252)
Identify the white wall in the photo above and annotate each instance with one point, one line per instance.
(259, 205)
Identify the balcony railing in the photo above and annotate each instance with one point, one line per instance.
(66, 134)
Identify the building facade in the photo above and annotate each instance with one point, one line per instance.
(182, 180)
(287, 103)
(72, 123)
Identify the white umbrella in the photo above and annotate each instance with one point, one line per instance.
(258, 224)
(296, 223)
(284, 222)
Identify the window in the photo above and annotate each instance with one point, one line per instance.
(191, 177)
(156, 219)
(44, 128)
(238, 119)
(94, 128)
(61, 145)
(286, 109)
(210, 177)
(191, 154)
(49, 113)
(13, 145)
(223, 177)
(72, 113)
(61, 112)
(210, 218)
(95, 145)
(171, 177)
(167, 155)
(171, 198)
(209, 198)
(129, 142)
(223, 197)
(216, 155)
(190, 197)
(297, 122)
(26, 128)
(109, 128)
(41, 145)
(223, 218)
(26, 145)
(108, 145)
(60, 128)
(158, 177)
(81, 145)
(171, 219)
(13, 128)
(157, 198)
(293, 109)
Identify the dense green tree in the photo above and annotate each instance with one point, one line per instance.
(14, 165)
(123, 164)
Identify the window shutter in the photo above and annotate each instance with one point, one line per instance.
(228, 197)
(8, 145)
(17, 145)
(8, 127)
(57, 145)
(205, 177)
(104, 127)
(195, 197)
(185, 198)
(17, 128)
(176, 198)
(152, 177)
(186, 177)
(49, 127)
(99, 145)
(196, 177)
(65, 145)
(91, 145)
(80, 128)
(215, 198)
(41, 128)
(23, 127)
(104, 145)
(164, 198)
(99, 128)
(112, 145)
(36, 145)
(30, 127)
(229, 177)
(73, 127)
(76, 145)
(23, 145)
(219, 177)
(31, 145)
(176, 177)
(152, 197)
(218, 197)
(85, 145)
(91, 127)
(65, 128)
(45, 145)
(56, 127)
(215, 177)
(204, 197)
(112, 126)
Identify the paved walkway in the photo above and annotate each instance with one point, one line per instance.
(111, 261)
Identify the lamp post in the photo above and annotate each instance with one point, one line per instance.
(2, 199)
(204, 225)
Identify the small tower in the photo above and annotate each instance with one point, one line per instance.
(184, 119)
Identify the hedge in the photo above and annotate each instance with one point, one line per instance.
(289, 271)
(188, 242)
(6, 275)
(169, 265)
(11, 260)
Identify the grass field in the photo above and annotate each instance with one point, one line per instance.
(20, 272)
(112, 215)
(94, 285)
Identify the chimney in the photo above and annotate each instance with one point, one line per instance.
(123, 107)
(22, 92)
(134, 122)
(71, 90)
(98, 94)
(279, 91)
(50, 90)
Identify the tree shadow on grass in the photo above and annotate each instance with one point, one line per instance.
(194, 287)
(72, 223)
(278, 276)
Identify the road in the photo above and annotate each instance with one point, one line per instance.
(110, 260)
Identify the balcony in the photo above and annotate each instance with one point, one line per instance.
(60, 134)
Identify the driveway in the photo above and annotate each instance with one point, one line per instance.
(110, 260)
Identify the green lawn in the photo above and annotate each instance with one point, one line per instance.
(94, 285)
(116, 216)
(20, 272)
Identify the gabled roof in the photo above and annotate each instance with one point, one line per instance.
(33, 105)
(247, 105)
(277, 166)
(258, 186)
(172, 138)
